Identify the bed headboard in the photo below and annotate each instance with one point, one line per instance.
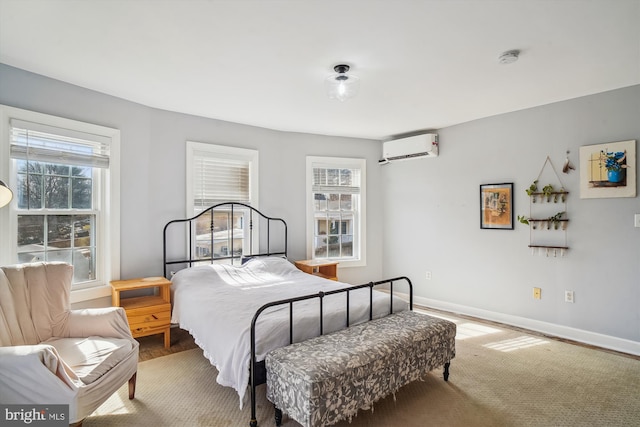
(229, 231)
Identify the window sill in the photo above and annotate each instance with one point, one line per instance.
(80, 295)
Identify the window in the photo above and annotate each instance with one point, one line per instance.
(218, 174)
(64, 175)
(335, 211)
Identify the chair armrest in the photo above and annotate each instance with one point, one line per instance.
(33, 373)
(105, 322)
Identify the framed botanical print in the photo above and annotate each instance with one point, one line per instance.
(608, 170)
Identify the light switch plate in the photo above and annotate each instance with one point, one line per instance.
(637, 220)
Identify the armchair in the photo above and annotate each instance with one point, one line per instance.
(50, 354)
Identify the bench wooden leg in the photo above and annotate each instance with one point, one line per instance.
(278, 416)
(446, 371)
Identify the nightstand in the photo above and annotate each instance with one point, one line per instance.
(318, 267)
(149, 314)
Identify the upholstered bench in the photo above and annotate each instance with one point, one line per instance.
(326, 379)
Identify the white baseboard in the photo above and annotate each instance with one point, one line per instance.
(592, 338)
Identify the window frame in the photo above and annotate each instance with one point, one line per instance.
(107, 202)
(360, 225)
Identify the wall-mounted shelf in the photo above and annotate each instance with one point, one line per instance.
(548, 250)
(549, 224)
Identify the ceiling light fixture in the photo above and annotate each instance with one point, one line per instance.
(509, 57)
(342, 85)
(5, 194)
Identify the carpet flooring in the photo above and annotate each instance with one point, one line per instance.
(500, 377)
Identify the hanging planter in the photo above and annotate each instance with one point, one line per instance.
(541, 224)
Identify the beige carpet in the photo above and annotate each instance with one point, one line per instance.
(500, 377)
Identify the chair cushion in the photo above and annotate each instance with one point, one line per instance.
(91, 357)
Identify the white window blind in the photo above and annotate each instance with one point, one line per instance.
(218, 179)
(48, 144)
(334, 180)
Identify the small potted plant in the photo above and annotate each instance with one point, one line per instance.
(563, 195)
(532, 189)
(555, 220)
(547, 190)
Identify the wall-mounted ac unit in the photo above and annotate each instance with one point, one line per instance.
(412, 147)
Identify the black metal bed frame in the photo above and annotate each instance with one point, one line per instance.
(230, 208)
(257, 373)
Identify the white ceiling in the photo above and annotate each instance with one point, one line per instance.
(422, 64)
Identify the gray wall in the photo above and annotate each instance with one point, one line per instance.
(432, 222)
(425, 211)
(153, 166)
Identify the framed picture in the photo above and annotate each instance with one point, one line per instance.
(608, 170)
(496, 206)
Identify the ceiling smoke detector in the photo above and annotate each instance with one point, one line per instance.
(509, 57)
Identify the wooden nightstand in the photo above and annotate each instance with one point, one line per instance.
(149, 314)
(321, 268)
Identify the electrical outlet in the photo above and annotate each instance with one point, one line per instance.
(428, 275)
(537, 293)
(569, 296)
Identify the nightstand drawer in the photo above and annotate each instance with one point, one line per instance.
(150, 316)
(146, 329)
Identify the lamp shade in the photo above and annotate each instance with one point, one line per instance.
(5, 194)
(341, 85)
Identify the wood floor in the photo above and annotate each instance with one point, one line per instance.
(152, 346)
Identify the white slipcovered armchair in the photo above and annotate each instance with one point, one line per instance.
(50, 354)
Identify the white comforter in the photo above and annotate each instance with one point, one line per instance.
(216, 304)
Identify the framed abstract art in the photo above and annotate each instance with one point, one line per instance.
(496, 206)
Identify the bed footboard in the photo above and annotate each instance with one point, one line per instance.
(257, 369)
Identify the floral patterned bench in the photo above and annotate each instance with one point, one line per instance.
(326, 379)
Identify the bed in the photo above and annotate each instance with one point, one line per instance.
(217, 302)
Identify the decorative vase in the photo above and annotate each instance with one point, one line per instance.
(615, 175)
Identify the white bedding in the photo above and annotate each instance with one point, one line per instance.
(217, 302)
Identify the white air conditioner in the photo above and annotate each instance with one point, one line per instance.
(413, 147)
